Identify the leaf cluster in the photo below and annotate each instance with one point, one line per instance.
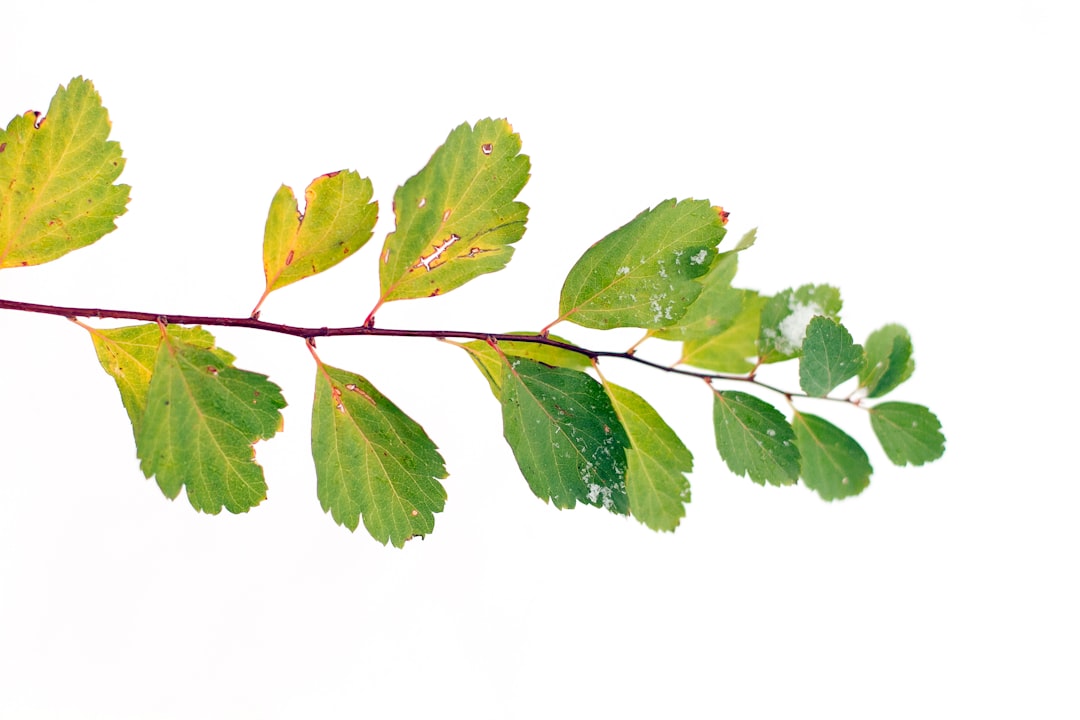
(577, 437)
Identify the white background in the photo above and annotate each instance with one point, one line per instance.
(921, 156)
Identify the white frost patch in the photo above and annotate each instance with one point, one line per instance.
(602, 493)
(770, 432)
(793, 327)
(699, 257)
(623, 271)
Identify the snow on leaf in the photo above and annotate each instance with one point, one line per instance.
(754, 438)
(785, 317)
(457, 218)
(202, 418)
(644, 274)
(910, 434)
(657, 462)
(372, 461)
(833, 464)
(57, 176)
(565, 435)
(715, 309)
(338, 220)
(829, 357)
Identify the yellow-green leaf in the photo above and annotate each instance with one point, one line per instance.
(202, 418)
(490, 362)
(733, 348)
(128, 355)
(372, 460)
(56, 178)
(457, 218)
(338, 219)
(645, 273)
(656, 462)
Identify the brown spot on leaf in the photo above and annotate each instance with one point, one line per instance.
(724, 215)
(211, 369)
(486, 148)
(288, 258)
(414, 513)
(332, 174)
(3, 147)
(435, 292)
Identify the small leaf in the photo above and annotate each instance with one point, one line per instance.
(910, 434)
(645, 273)
(338, 220)
(372, 460)
(833, 464)
(57, 173)
(888, 360)
(202, 418)
(785, 317)
(747, 240)
(829, 357)
(565, 435)
(716, 308)
(490, 362)
(657, 460)
(128, 355)
(457, 218)
(733, 349)
(754, 438)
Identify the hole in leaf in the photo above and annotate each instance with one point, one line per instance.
(486, 148)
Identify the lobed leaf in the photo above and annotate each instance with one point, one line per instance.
(829, 357)
(338, 220)
(202, 418)
(456, 219)
(910, 434)
(565, 435)
(732, 349)
(754, 438)
(657, 462)
(888, 360)
(373, 461)
(57, 176)
(785, 317)
(490, 362)
(645, 273)
(833, 464)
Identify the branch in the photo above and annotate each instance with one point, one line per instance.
(309, 333)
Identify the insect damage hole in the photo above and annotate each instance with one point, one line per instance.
(427, 260)
(486, 148)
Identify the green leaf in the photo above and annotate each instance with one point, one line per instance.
(456, 218)
(888, 360)
(565, 435)
(747, 240)
(202, 418)
(657, 460)
(754, 438)
(733, 349)
(57, 173)
(490, 362)
(829, 357)
(910, 434)
(833, 464)
(128, 355)
(372, 460)
(338, 219)
(716, 308)
(785, 317)
(645, 273)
